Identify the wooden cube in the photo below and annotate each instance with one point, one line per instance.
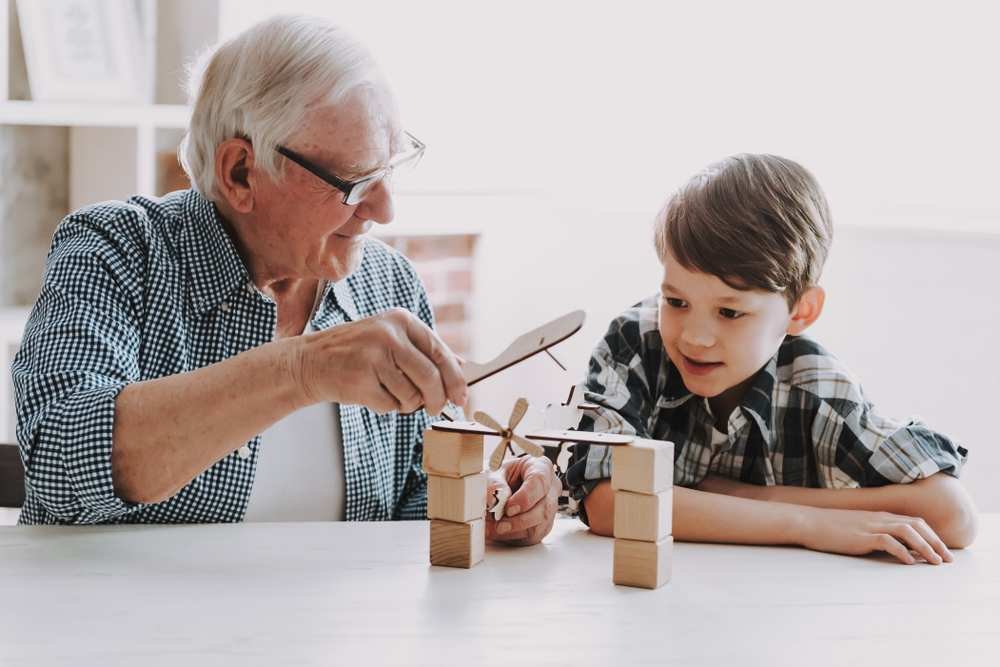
(643, 564)
(639, 516)
(457, 544)
(456, 498)
(452, 454)
(645, 466)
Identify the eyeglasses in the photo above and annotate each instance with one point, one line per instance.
(355, 191)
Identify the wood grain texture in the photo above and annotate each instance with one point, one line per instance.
(644, 466)
(643, 564)
(452, 454)
(640, 516)
(455, 544)
(456, 498)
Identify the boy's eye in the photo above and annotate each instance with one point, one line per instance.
(730, 314)
(674, 303)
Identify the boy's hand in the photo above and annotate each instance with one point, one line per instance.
(856, 533)
(531, 508)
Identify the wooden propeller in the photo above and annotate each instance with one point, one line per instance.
(507, 435)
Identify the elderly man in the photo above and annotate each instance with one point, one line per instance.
(170, 333)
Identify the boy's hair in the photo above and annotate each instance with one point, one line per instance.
(754, 221)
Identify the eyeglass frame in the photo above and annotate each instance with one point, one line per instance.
(347, 187)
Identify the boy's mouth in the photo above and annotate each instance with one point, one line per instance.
(696, 367)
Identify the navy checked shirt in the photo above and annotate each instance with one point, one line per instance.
(147, 288)
(804, 420)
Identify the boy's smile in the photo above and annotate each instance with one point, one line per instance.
(718, 336)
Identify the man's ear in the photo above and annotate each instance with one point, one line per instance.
(234, 177)
(807, 310)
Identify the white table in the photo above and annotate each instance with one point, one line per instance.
(327, 593)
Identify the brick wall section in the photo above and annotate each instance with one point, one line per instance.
(446, 265)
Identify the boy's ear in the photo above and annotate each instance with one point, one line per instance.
(807, 310)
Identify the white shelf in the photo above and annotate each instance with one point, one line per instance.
(167, 116)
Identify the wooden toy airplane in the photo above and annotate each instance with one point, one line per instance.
(486, 425)
(527, 345)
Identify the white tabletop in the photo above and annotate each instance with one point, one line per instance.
(363, 593)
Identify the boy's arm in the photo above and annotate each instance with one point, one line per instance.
(711, 517)
(940, 500)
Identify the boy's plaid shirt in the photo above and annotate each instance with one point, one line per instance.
(803, 422)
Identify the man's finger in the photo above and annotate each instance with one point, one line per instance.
(537, 479)
(422, 373)
(396, 383)
(537, 515)
(434, 349)
(895, 548)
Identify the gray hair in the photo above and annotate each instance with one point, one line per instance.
(260, 84)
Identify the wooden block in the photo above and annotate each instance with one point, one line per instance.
(645, 466)
(640, 516)
(456, 498)
(643, 564)
(455, 544)
(452, 454)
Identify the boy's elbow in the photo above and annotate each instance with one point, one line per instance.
(958, 526)
(954, 517)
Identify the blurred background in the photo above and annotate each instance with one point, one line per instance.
(556, 129)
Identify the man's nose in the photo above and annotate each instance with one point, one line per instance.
(378, 204)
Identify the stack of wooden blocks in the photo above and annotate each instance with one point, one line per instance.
(456, 497)
(642, 480)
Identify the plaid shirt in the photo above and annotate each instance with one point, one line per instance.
(146, 288)
(804, 420)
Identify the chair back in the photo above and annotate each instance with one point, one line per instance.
(11, 477)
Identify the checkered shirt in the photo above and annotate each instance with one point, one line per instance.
(147, 288)
(804, 420)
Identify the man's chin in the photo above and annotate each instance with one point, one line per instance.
(338, 268)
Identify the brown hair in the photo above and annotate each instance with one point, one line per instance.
(754, 221)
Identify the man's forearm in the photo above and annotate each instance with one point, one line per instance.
(169, 430)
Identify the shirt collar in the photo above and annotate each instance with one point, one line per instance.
(756, 401)
(215, 269)
(758, 398)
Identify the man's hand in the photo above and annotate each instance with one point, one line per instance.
(387, 362)
(531, 508)
(857, 532)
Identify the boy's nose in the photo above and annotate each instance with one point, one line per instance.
(698, 337)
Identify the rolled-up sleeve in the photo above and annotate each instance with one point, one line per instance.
(875, 450)
(80, 349)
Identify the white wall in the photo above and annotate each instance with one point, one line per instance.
(557, 128)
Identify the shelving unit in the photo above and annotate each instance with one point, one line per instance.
(115, 150)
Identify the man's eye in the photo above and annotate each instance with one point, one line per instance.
(674, 303)
(730, 314)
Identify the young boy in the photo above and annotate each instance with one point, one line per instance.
(774, 441)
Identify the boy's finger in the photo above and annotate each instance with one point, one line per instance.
(932, 538)
(913, 539)
(895, 548)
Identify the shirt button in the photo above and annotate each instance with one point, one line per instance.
(225, 307)
(243, 452)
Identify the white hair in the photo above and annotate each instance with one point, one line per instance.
(260, 84)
